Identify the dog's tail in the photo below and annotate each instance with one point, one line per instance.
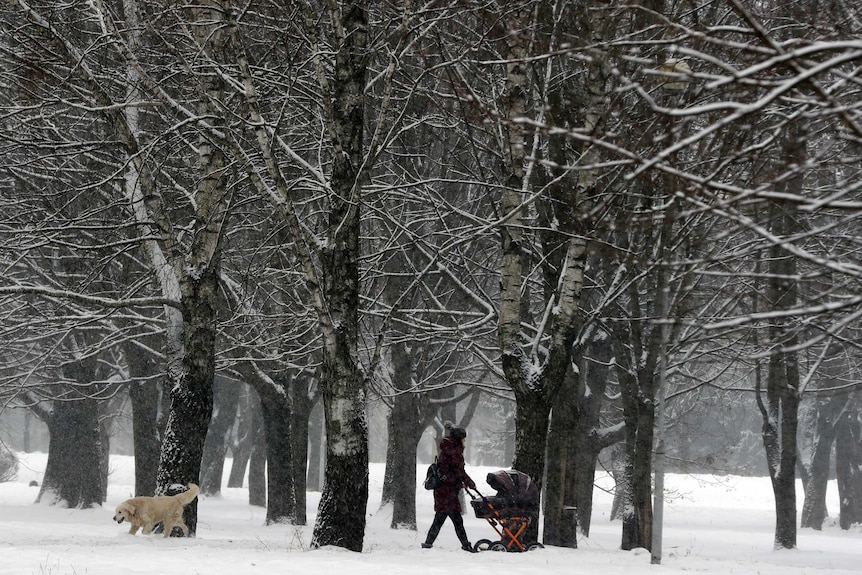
(189, 495)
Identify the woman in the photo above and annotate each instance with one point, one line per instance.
(446, 500)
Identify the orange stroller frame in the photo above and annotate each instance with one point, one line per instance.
(509, 513)
(509, 524)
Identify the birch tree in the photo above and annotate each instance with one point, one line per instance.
(189, 280)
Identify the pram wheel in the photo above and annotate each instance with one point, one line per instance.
(534, 546)
(499, 546)
(482, 545)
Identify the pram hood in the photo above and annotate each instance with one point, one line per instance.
(516, 488)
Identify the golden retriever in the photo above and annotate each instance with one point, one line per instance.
(147, 512)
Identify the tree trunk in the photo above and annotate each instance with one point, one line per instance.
(535, 376)
(407, 420)
(182, 450)
(636, 508)
(192, 388)
(341, 514)
(275, 408)
(73, 476)
(622, 489)
(192, 396)
(822, 423)
(257, 468)
(145, 397)
(589, 437)
(780, 412)
(225, 401)
(560, 527)
(105, 433)
(637, 377)
(405, 428)
(848, 463)
(400, 480)
(532, 415)
(247, 425)
(316, 440)
(303, 393)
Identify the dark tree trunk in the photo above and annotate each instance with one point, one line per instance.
(577, 441)
(637, 506)
(225, 401)
(145, 394)
(560, 527)
(405, 428)
(191, 365)
(814, 510)
(780, 413)
(303, 399)
(448, 408)
(72, 474)
(637, 379)
(257, 467)
(782, 449)
(105, 433)
(622, 490)
(589, 438)
(182, 449)
(316, 430)
(275, 408)
(400, 479)
(341, 514)
(145, 397)
(192, 396)
(249, 421)
(532, 415)
(848, 463)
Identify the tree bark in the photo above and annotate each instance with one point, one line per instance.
(822, 424)
(780, 412)
(192, 387)
(225, 401)
(303, 394)
(316, 441)
(848, 463)
(341, 514)
(72, 474)
(405, 426)
(257, 467)
(331, 268)
(275, 408)
(244, 441)
(590, 438)
(145, 397)
(560, 506)
(535, 376)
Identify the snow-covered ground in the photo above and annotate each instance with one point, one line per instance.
(712, 524)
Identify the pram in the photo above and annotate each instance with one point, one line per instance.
(509, 512)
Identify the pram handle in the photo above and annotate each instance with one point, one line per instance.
(467, 489)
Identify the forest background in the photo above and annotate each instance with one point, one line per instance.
(596, 224)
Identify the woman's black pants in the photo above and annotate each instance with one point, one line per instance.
(439, 519)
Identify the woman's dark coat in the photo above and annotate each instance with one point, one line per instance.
(452, 466)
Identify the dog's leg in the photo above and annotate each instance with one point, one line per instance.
(133, 529)
(148, 528)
